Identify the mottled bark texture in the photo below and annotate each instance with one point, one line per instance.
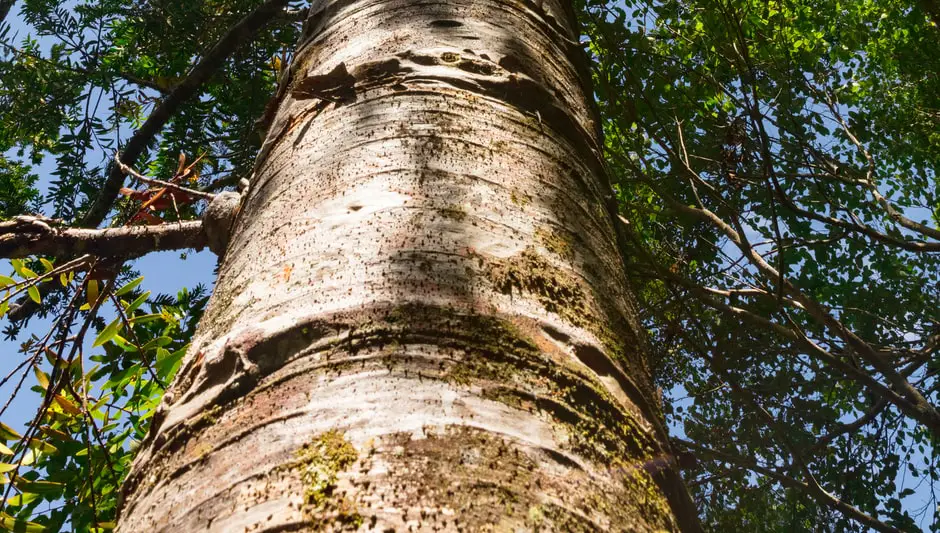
(421, 321)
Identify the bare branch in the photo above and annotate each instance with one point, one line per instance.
(849, 371)
(126, 242)
(911, 246)
(925, 412)
(869, 181)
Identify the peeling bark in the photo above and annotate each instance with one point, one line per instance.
(422, 319)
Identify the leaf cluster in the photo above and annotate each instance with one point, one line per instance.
(778, 164)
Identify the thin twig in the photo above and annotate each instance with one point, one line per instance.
(165, 184)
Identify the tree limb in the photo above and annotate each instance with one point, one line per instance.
(5, 7)
(794, 334)
(850, 427)
(869, 181)
(26, 236)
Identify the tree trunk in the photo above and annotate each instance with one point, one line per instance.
(422, 320)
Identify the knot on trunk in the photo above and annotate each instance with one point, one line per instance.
(218, 218)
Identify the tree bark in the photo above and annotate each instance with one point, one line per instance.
(421, 320)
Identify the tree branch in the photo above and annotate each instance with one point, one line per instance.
(25, 236)
(160, 183)
(821, 496)
(5, 6)
(794, 334)
(211, 61)
(850, 427)
(869, 180)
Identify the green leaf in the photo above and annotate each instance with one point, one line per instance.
(108, 332)
(22, 499)
(137, 303)
(130, 286)
(9, 523)
(37, 487)
(33, 292)
(41, 446)
(47, 265)
(7, 433)
(158, 342)
(6, 281)
(168, 363)
(18, 266)
(144, 319)
(122, 343)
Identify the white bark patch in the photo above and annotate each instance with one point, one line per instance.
(357, 205)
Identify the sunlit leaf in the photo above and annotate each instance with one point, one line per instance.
(66, 405)
(91, 292)
(130, 286)
(9, 523)
(37, 487)
(55, 433)
(47, 265)
(41, 377)
(20, 500)
(144, 319)
(7, 433)
(168, 363)
(108, 332)
(137, 303)
(29, 457)
(158, 342)
(41, 446)
(33, 292)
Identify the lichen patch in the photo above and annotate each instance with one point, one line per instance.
(319, 463)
